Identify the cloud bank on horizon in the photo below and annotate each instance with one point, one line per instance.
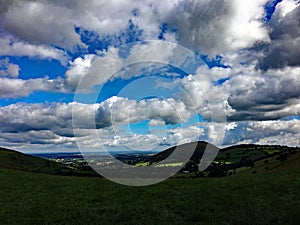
(245, 88)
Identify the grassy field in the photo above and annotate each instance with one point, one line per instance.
(263, 199)
(30, 194)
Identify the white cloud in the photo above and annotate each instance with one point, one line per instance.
(261, 96)
(273, 132)
(13, 88)
(78, 69)
(56, 117)
(156, 122)
(285, 7)
(182, 135)
(284, 48)
(94, 69)
(14, 47)
(215, 27)
(103, 17)
(245, 27)
(29, 126)
(41, 26)
(201, 95)
(262, 83)
(208, 26)
(118, 110)
(8, 69)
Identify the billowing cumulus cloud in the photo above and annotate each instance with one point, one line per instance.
(201, 95)
(213, 27)
(118, 110)
(94, 69)
(265, 132)
(41, 25)
(30, 125)
(95, 16)
(263, 96)
(208, 26)
(257, 91)
(284, 48)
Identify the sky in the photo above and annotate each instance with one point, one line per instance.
(147, 75)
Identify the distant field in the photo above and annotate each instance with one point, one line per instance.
(266, 198)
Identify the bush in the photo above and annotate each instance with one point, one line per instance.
(191, 166)
(282, 157)
(217, 171)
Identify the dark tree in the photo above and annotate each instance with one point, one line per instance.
(191, 166)
(247, 162)
(227, 155)
(217, 171)
(282, 157)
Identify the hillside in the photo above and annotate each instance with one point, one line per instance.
(10, 159)
(266, 197)
(272, 164)
(228, 161)
(261, 199)
(195, 149)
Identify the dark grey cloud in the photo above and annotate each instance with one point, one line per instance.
(284, 48)
(264, 132)
(211, 26)
(218, 26)
(264, 96)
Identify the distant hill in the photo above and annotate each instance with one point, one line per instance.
(224, 161)
(10, 159)
(195, 149)
(204, 157)
(269, 196)
(233, 153)
(284, 161)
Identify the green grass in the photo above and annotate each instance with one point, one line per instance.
(237, 153)
(272, 164)
(262, 199)
(169, 165)
(269, 197)
(15, 160)
(10, 159)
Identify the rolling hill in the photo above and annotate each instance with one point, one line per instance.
(229, 160)
(218, 163)
(266, 197)
(195, 149)
(10, 159)
(261, 199)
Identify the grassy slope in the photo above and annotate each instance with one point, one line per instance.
(195, 149)
(262, 199)
(236, 152)
(15, 160)
(273, 165)
(10, 159)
